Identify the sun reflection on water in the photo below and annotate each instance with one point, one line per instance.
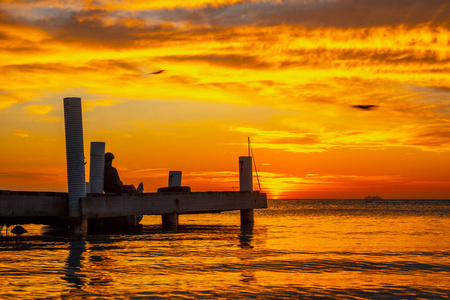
(296, 249)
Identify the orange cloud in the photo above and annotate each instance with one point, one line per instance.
(8, 99)
(39, 109)
(21, 134)
(89, 104)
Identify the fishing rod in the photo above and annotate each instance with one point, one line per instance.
(250, 151)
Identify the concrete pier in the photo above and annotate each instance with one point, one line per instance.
(76, 207)
(52, 208)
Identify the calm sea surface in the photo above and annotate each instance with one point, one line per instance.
(346, 249)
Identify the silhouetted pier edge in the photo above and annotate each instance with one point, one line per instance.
(50, 208)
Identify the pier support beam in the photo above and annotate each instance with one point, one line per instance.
(80, 229)
(246, 185)
(247, 217)
(170, 221)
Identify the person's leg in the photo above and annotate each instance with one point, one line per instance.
(132, 189)
(128, 188)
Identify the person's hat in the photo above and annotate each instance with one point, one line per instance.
(109, 156)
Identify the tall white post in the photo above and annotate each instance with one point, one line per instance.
(246, 185)
(73, 123)
(97, 167)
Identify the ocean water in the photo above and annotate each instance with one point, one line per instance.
(297, 249)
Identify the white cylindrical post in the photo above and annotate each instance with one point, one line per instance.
(174, 178)
(245, 174)
(75, 154)
(246, 185)
(97, 167)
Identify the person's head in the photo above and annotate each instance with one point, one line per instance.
(108, 158)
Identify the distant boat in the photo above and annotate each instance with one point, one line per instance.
(373, 198)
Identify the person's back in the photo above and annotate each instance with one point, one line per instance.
(110, 180)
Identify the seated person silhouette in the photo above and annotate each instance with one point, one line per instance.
(112, 182)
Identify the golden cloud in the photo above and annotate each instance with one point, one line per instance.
(21, 134)
(39, 109)
(432, 139)
(89, 104)
(8, 99)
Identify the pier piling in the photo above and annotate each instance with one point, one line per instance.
(246, 185)
(170, 221)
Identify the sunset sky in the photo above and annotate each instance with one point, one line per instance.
(341, 98)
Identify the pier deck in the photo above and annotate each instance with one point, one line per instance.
(50, 208)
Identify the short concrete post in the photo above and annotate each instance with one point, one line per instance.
(174, 178)
(246, 185)
(73, 123)
(170, 221)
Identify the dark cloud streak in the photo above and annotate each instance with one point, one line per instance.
(342, 13)
(61, 68)
(165, 26)
(235, 61)
(89, 24)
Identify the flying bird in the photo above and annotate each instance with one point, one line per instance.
(152, 73)
(365, 107)
(157, 72)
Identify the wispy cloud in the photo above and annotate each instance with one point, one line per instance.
(338, 13)
(7, 99)
(431, 139)
(89, 104)
(21, 134)
(39, 109)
